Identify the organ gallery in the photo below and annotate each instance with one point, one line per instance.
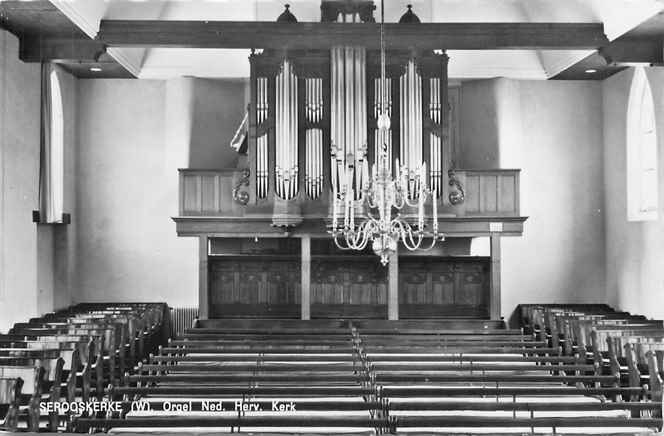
(335, 136)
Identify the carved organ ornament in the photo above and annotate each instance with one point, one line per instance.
(314, 115)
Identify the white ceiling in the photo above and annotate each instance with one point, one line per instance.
(618, 16)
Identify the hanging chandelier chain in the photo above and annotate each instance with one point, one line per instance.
(383, 195)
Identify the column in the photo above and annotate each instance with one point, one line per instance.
(305, 298)
(393, 287)
(494, 308)
(203, 294)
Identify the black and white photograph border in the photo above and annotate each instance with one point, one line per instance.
(331, 217)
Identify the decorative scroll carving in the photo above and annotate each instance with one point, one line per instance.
(458, 195)
(242, 197)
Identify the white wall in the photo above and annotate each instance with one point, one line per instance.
(552, 130)
(33, 279)
(127, 192)
(634, 250)
(19, 167)
(133, 136)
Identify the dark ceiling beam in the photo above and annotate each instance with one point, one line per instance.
(633, 50)
(38, 49)
(615, 57)
(272, 35)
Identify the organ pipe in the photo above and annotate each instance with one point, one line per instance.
(262, 141)
(379, 142)
(314, 163)
(262, 171)
(286, 155)
(348, 116)
(435, 172)
(314, 100)
(435, 107)
(278, 111)
(436, 159)
(410, 123)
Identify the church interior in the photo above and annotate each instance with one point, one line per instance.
(332, 216)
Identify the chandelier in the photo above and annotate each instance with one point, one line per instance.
(375, 216)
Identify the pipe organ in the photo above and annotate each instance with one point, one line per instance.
(312, 127)
(313, 121)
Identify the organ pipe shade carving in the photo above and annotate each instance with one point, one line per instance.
(410, 124)
(313, 179)
(286, 127)
(348, 112)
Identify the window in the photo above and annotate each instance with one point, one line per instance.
(52, 160)
(642, 173)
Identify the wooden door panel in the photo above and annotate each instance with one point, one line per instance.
(254, 288)
(431, 287)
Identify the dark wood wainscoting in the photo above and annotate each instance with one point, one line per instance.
(254, 287)
(434, 287)
(348, 287)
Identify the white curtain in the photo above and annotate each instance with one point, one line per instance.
(51, 172)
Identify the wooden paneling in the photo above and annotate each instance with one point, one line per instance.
(350, 288)
(436, 287)
(207, 193)
(254, 288)
(490, 192)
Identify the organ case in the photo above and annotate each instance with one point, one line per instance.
(314, 113)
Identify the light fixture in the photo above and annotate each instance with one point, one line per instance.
(590, 71)
(95, 69)
(383, 196)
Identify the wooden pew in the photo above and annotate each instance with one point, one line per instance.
(35, 385)
(10, 402)
(391, 368)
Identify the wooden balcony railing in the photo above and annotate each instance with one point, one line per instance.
(486, 193)
(489, 193)
(209, 192)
